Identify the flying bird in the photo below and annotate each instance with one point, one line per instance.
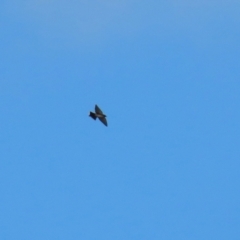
(99, 114)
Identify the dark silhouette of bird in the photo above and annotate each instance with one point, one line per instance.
(99, 114)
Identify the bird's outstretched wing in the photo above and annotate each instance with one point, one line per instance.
(103, 120)
(98, 110)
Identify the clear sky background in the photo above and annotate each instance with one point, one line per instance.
(167, 75)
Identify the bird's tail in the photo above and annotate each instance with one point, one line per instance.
(92, 115)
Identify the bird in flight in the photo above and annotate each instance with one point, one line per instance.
(99, 114)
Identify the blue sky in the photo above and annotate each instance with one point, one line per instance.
(166, 73)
